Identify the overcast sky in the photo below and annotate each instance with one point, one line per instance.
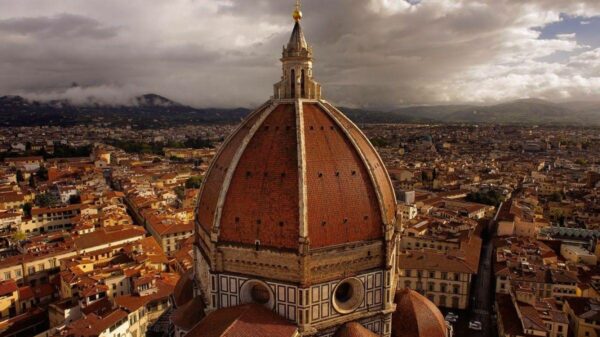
(368, 53)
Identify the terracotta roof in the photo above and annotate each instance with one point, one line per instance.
(104, 236)
(465, 260)
(22, 159)
(188, 315)
(93, 325)
(416, 316)
(134, 302)
(507, 313)
(8, 287)
(249, 320)
(348, 192)
(354, 329)
(184, 289)
(585, 307)
(25, 293)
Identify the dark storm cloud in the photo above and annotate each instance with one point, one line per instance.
(374, 53)
(58, 27)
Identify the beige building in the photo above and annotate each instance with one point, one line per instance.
(9, 295)
(48, 219)
(443, 277)
(578, 255)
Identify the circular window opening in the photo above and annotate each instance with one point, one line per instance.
(255, 291)
(348, 295)
(260, 294)
(343, 293)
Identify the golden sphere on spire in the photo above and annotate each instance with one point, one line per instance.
(297, 14)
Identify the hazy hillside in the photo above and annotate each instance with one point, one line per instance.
(527, 111)
(147, 111)
(152, 110)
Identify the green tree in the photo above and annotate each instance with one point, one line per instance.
(193, 182)
(74, 199)
(42, 173)
(556, 196)
(180, 192)
(32, 181)
(46, 199)
(27, 209)
(380, 142)
(19, 236)
(490, 197)
(20, 178)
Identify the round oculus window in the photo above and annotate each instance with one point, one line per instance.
(255, 291)
(260, 294)
(348, 295)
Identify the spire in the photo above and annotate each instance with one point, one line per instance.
(297, 41)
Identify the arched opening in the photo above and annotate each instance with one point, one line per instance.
(303, 92)
(293, 83)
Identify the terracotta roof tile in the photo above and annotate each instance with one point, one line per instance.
(262, 201)
(249, 320)
(354, 329)
(416, 316)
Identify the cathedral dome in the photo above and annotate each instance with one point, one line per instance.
(298, 209)
(296, 172)
(416, 316)
(354, 329)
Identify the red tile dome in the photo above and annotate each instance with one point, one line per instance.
(416, 316)
(354, 329)
(294, 171)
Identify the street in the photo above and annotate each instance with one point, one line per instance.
(482, 293)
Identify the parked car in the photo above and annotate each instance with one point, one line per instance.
(451, 317)
(475, 325)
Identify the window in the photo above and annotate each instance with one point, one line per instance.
(348, 295)
(7, 275)
(431, 274)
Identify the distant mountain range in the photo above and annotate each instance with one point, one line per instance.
(524, 111)
(151, 111)
(146, 111)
